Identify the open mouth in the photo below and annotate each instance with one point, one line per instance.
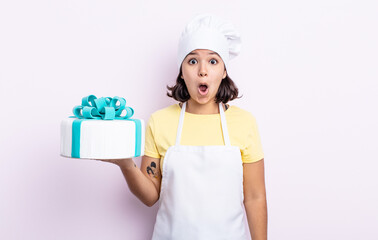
(203, 89)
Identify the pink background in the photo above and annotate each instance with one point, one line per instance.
(307, 72)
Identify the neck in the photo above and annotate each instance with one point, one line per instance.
(210, 107)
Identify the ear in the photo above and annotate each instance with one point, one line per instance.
(224, 74)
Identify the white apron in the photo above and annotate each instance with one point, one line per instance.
(201, 196)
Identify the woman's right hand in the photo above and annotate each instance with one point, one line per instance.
(124, 162)
(143, 182)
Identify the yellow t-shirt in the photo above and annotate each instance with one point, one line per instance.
(202, 129)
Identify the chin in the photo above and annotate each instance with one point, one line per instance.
(204, 101)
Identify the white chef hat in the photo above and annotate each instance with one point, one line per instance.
(206, 31)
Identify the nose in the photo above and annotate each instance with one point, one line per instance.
(202, 74)
(202, 71)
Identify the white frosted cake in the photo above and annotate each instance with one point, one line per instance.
(100, 132)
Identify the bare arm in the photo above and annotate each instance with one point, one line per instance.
(255, 199)
(145, 182)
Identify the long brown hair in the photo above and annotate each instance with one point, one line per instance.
(227, 90)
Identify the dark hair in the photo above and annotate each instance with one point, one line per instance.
(227, 90)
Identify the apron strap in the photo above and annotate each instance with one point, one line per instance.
(181, 122)
(226, 137)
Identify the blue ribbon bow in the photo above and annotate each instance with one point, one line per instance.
(104, 108)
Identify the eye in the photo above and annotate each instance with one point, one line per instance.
(192, 61)
(213, 61)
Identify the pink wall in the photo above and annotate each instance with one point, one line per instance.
(307, 72)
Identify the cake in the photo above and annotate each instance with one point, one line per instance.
(102, 128)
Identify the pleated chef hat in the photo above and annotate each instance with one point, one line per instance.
(206, 31)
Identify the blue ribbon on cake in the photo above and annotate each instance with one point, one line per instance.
(104, 108)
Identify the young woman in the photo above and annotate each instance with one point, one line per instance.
(203, 158)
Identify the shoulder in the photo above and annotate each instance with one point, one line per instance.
(166, 112)
(241, 114)
(165, 116)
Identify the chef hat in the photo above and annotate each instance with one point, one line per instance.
(206, 31)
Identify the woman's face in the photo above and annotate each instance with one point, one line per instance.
(203, 71)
